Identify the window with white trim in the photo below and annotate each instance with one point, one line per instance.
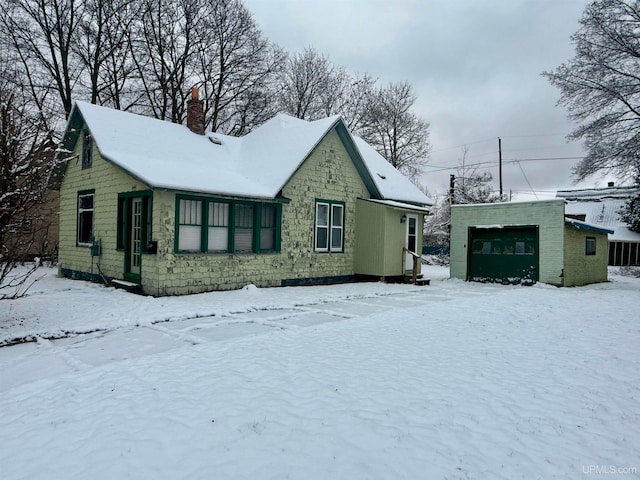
(85, 218)
(337, 227)
(329, 226)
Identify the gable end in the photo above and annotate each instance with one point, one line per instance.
(357, 160)
(69, 140)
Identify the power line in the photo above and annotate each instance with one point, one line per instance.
(438, 168)
(535, 135)
(463, 145)
(528, 183)
(486, 140)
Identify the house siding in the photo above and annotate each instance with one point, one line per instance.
(107, 181)
(582, 269)
(548, 216)
(370, 243)
(381, 238)
(328, 173)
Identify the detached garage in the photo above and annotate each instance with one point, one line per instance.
(509, 254)
(523, 243)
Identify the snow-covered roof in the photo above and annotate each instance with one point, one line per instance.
(601, 207)
(603, 212)
(258, 165)
(400, 205)
(390, 183)
(597, 193)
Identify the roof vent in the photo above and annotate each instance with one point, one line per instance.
(381, 176)
(217, 141)
(610, 184)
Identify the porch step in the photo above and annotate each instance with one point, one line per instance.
(128, 286)
(420, 280)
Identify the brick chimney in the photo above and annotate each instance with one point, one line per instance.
(195, 112)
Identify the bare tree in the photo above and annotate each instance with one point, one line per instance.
(26, 153)
(469, 185)
(395, 131)
(311, 87)
(354, 101)
(600, 86)
(163, 42)
(236, 64)
(306, 83)
(103, 51)
(472, 185)
(41, 34)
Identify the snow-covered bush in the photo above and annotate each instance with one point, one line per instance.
(630, 271)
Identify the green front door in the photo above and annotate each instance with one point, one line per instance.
(506, 255)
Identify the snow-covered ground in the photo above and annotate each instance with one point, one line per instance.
(454, 380)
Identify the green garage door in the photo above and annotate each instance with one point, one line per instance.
(506, 255)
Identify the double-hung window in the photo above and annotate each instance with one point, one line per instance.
(218, 225)
(190, 225)
(243, 228)
(268, 228)
(85, 218)
(329, 226)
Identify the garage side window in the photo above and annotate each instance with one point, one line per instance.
(590, 246)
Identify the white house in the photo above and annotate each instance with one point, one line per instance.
(601, 206)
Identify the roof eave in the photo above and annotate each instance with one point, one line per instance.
(588, 227)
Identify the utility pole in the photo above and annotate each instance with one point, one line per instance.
(500, 161)
(452, 183)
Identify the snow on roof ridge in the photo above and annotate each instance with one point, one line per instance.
(258, 164)
(391, 184)
(587, 194)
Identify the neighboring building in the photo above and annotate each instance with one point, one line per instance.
(32, 227)
(36, 234)
(526, 243)
(175, 211)
(601, 206)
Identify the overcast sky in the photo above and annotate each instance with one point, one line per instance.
(474, 65)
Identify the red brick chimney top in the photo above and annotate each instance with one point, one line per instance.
(195, 112)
